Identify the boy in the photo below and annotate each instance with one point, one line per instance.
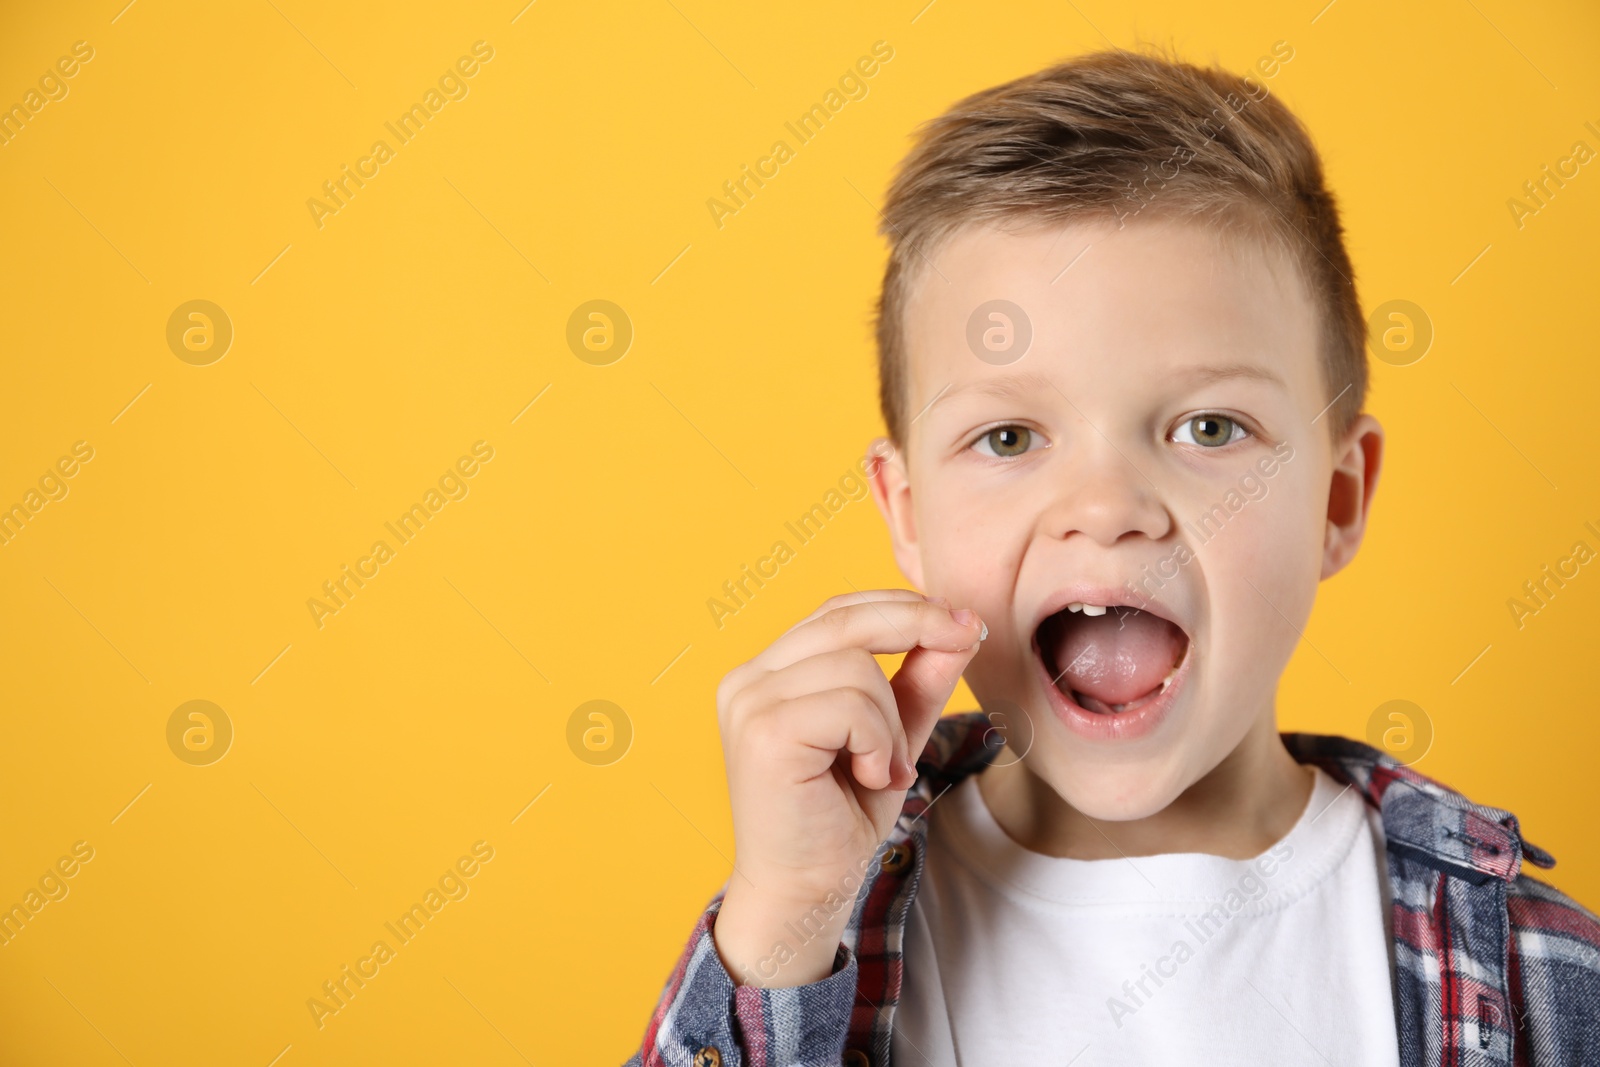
(1123, 366)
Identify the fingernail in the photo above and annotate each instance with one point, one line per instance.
(964, 616)
(985, 633)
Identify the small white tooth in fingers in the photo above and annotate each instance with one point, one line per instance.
(1075, 606)
(1094, 609)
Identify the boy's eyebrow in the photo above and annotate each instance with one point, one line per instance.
(1030, 384)
(1205, 375)
(1012, 385)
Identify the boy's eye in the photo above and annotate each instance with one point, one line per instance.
(1003, 442)
(1209, 431)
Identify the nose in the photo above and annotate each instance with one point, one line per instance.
(1101, 494)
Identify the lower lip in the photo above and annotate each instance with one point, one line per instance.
(1118, 726)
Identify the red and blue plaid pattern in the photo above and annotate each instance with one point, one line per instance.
(1492, 967)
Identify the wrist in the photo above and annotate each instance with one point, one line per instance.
(777, 942)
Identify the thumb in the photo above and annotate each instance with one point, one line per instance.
(922, 686)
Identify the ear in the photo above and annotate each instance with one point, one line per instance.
(891, 489)
(1356, 461)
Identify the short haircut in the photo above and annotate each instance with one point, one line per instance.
(1114, 134)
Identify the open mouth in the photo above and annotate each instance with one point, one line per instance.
(1110, 659)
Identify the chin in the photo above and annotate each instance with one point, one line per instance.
(1109, 792)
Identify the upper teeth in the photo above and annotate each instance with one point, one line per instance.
(1087, 609)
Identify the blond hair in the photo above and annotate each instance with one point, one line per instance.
(1109, 135)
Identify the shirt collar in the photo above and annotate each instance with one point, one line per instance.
(1421, 817)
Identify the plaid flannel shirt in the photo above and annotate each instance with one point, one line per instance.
(1491, 966)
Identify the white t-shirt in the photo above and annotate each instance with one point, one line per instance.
(1017, 958)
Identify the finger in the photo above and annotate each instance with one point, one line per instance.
(826, 724)
(852, 667)
(858, 597)
(880, 627)
(922, 686)
(748, 673)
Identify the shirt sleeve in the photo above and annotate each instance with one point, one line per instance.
(701, 1009)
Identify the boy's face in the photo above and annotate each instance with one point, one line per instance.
(1161, 445)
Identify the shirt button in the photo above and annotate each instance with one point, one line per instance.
(856, 1058)
(708, 1057)
(896, 858)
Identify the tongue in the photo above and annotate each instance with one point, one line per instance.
(1114, 658)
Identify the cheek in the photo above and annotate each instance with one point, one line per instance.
(1261, 572)
(969, 554)
(1283, 536)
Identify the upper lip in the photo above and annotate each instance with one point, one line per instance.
(1108, 596)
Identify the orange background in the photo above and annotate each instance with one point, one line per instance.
(368, 354)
